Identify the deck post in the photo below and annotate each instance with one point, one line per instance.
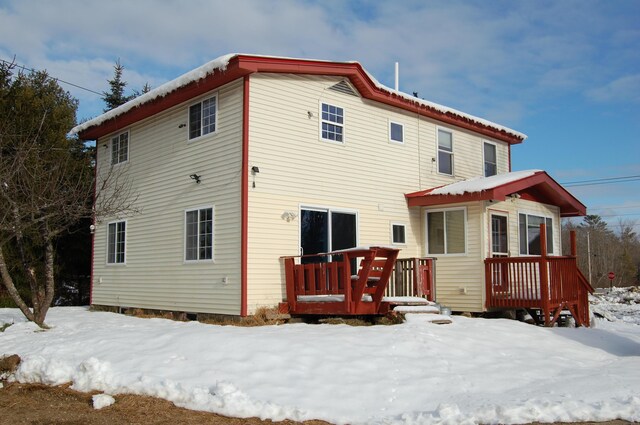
(544, 276)
(574, 249)
(289, 265)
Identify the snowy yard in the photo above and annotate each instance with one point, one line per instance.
(471, 371)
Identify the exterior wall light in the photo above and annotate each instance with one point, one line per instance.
(195, 177)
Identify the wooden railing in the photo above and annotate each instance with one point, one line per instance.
(326, 284)
(413, 277)
(548, 283)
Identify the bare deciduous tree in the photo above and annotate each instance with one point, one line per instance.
(46, 184)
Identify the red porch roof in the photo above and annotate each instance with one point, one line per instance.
(533, 185)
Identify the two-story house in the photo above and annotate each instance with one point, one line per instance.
(250, 158)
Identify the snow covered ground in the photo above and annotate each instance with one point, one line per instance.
(470, 371)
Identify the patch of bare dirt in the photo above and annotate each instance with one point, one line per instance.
(41, 404)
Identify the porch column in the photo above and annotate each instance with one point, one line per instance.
(544, 276)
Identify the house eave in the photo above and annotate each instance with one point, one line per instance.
(242, 65)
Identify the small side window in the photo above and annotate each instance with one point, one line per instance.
(202, 118)
(445, 152)
(398, 234)
(396, 132)
(490, 160)
(116, 240)
(120, 148)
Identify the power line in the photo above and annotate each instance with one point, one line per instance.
(610, 180)
(53, 78)
(615, 207)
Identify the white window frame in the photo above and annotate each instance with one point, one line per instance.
(484, 160)
(426, 232)
(215, 123)
(404, 228)
(343, 125)
(116, 139)
(126, 231)
(398, 142)
(213, 235)
(541, 215)
(453, 165)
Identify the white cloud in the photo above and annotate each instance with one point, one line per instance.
(490, 59)
(623, 89)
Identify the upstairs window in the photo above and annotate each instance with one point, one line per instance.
(529, 233)
(199, 234)
(116, 237)
(396, 132)
(490, 160)
(445, 152)
(332, 123)
(446, 232)
(120, 148)
(202, 118)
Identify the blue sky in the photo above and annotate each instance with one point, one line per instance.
(566, 73)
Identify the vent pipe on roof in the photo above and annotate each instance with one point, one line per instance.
(397, 76)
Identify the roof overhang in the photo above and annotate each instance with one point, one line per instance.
(242, 65)
(538, 187)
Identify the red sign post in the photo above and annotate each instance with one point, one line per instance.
(611, 276)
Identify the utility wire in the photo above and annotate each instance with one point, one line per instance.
(610, 180)
(54, 78)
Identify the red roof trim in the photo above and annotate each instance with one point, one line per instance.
(539, 187)
(242, 65)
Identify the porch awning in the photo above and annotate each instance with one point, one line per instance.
(532, 185)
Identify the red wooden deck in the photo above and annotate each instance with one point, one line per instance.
(548, 283)
(325, 284)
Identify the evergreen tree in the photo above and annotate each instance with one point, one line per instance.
(115, 97)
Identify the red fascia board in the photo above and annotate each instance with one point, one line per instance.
(242, 65)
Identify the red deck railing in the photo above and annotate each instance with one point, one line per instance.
(548, 283)
(413, 277)
(353, 282)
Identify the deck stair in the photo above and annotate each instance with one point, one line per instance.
(417, 305)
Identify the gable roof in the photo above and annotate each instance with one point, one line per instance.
(230, 67)
(534, 185)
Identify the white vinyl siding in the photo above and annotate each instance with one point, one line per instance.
(157, 275)
(368, 174)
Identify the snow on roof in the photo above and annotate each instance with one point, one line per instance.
(445, 109)
(220, 64)
(479, 184)
(161, 91)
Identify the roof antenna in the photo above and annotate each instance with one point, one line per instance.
(397, 76)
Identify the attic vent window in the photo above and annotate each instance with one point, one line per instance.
(344, 88)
